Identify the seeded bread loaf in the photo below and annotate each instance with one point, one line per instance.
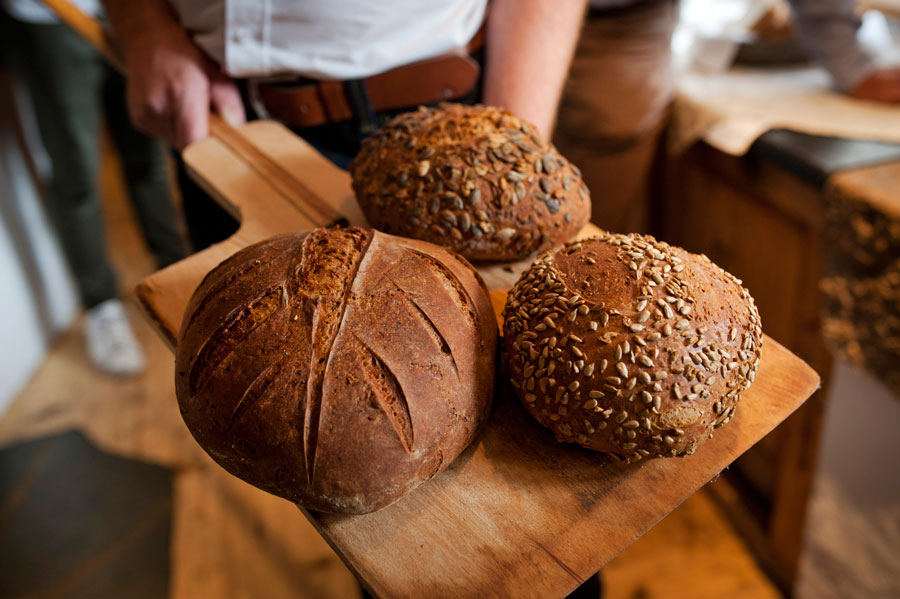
(476, 179)
(630, 346)
(337, 368)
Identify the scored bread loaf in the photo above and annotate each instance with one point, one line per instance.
(337, 368)
(476, 179)
(630, 346)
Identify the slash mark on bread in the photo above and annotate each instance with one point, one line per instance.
(345, 252)
(452, 279)
(215, 291)
(254, 391)
(430, 326)
(388, 393)
(237, 327)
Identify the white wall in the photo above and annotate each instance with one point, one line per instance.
(37, 297)
(853, 528)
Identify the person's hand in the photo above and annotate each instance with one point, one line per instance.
(172, 86)
(882, 85)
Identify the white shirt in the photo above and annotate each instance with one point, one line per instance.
(327, 39)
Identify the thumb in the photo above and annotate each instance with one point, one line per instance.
(226, 100)
(191, 115)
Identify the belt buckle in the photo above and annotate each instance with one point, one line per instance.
(256, 101)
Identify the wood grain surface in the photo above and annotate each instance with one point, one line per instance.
(517, 514)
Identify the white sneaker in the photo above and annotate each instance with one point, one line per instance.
(111, 344)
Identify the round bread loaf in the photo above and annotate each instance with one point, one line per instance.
(337, 368)
(630, 346)
(476, 179)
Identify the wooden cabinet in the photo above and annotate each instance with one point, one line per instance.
(763, 224)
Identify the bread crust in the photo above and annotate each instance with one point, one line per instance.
(476, 179)
(627, 345)
(337, 368)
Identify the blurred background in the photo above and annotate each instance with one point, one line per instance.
(760, 161)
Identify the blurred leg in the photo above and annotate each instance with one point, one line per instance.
(63, 75)
(614, 106)
(145, 173)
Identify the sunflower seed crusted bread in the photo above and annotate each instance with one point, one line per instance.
(337, 368)
(476, 179)
(627, 345)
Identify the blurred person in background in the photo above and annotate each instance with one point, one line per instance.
(72, 89)
(616, 98)
(333, 70)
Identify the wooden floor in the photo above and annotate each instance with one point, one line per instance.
(231, 540)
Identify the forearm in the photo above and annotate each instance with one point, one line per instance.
(529, 48)
(827, 29)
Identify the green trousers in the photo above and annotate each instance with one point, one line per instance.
(72, 90)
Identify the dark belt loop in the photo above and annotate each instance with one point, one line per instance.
(362, 106)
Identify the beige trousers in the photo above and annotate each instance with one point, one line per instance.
(614, 106)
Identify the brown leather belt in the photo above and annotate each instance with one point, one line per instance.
(306, 103)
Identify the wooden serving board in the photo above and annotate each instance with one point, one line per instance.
(517, 514)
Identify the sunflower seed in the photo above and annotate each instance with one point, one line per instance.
(448, 218)
(546, 185)
(520, 191)
(505, 234)
(552, 205)
(549, 163)
(465, 221)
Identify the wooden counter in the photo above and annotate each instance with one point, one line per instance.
(762, 217)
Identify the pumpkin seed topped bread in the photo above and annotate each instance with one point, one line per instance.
(475, 179)
(627, 345)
